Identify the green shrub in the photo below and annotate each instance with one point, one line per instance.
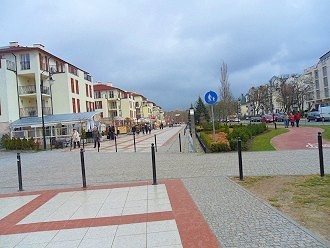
(219, 147)
(18, 144)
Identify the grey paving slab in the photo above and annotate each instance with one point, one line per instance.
(237, 218)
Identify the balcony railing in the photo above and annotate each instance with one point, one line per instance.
(25, 65)
(29, 89)
(45, 90)
(33, 111)
(28, 112)
(88, 77)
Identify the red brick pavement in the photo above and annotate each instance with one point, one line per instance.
(298, 138)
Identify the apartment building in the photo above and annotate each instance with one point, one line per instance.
(123, 109)
(319, 73)
(37, 85)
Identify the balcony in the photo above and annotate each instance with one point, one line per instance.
(29, 89)
(28, 112)
(45, 90)
(33, 111)
(88, 77)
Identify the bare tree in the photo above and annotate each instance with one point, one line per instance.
(226, 102)
(292, 92)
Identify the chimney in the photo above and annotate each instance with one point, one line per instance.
(13, 44)
(39, 45)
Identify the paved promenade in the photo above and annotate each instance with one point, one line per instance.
(199, 182)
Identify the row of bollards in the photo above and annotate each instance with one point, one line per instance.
(153, 160)
(240, 164)
(83, 170)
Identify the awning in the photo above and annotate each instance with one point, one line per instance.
(54, 120)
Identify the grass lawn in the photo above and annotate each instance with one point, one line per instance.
(262, 141)
(305, 198)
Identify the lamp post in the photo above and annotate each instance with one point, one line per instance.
(42, 107)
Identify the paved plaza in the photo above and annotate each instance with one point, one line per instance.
(195, 204)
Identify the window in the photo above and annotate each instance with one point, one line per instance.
(72, 85)
(78, 105)
(316, 74)
(87, 107)
(326, 93)
(98, 105)
(77, 87)
(318, 95)
(317, 84)
(325, 82)
(90, 91)
(111, 95)
(74, 105)
(73, 70)
(25, 61)
(87, 95)
(324, 71)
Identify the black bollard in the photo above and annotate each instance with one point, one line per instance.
(153, 158)
(116, 143)
(83, 173)
(19, 168)
(134, 142)
(319, 138)
(155, 142)
(98, 145)
(239, 149)
(180, 142)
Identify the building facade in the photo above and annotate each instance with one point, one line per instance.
(319, 92)
(124, 109)
(36, 83)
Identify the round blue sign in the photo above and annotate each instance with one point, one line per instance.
(211, 97)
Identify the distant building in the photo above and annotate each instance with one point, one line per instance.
(320, 91)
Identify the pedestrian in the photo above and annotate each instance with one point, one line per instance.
(75, 138)
(146, 128)
(112, 132)
(149, 128)
(286, 120)
(297, 117)
(96, 137)
(142, 128)
(291, 118)
(134, 130)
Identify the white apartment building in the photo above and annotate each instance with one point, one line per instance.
(320, 91)
(123, 109)
(36, 85)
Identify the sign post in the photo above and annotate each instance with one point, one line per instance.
(211, 98)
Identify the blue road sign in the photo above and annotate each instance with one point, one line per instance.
(211, 97)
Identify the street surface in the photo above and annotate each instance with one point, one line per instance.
(236, 217)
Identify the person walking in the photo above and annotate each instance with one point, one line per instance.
(96, 137)
(297, 117)
(286, 120)
(75, 138)
(291, 118)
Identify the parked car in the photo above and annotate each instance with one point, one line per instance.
(279, 117)
(268, 118)
(256, 118)
(313, 116)
(325, 113)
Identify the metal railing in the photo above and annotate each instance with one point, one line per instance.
(29, 89)
(28, 112)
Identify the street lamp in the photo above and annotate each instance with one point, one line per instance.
(42, 106)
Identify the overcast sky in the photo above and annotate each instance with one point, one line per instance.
(171, 51)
